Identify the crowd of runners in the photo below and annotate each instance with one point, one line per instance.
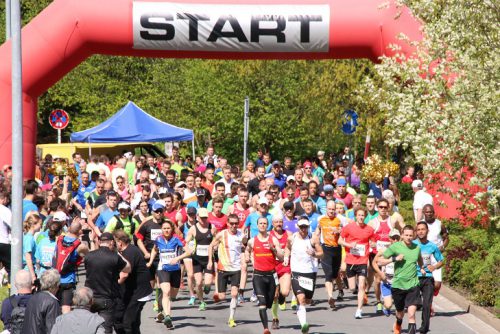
(142, 228)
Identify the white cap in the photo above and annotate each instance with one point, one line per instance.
(277, 216)
(162, 190)
(59, 216)
(180, 184)
(290, 177)
(303, 221)
(123, 205)
(321, 153)
(128, 155)
(417, 184)
(263, 200)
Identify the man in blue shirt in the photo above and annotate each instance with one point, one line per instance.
(84, 189)
(107, 211)
(318, 200)
(308, 206)
(276, 175)
(31, 189)
(262, 211)
(432, 259)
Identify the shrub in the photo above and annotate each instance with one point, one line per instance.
(405, 191)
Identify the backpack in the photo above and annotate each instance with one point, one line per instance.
(17, 316)
(62, 256)
(119, 224)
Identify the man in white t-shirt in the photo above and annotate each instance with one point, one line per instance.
(5, 225)
(420, 200)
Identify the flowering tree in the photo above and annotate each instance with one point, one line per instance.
(443, 104)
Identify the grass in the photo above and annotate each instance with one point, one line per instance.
(4, 293)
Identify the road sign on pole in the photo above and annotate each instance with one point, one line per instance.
(59, 119)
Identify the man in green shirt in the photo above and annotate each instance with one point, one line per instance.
(405, 284)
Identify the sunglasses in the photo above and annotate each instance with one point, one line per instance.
(383, 207)
(159, 211)
(233, 223)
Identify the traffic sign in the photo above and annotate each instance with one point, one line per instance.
(59, 119)
(350, 123)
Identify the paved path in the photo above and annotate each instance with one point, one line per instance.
(449, 320)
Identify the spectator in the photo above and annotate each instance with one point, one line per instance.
(43, 308)
(31, 225)
(420, 199)
(5, 226)
(80, 320)
(410, 175)
(23, 285)
(31, 189)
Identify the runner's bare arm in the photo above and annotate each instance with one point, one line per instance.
(318, 250)
(375, 263)
(213, 245)
(248, 250)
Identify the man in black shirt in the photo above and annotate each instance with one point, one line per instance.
(253, 185)
(136, 287)
(103, 267)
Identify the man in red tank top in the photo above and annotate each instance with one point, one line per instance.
(216, 217)
(263, 250)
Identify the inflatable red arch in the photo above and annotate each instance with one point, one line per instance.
(69, 31)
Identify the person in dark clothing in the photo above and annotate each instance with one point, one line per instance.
(136, 290)
(43, 307)
(253, 185)
(23, 286)
(103, 267)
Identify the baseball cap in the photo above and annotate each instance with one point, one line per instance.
(303, 221)
(162, 191)
(191, 210)
(328, 188)
(276, 162)
(159, 204)
(288, 206)
(263, 200)
(307, 164)
(321, 153)
(127, 155)
(341, 182)
(417, 184)
(180, 184)
(394, 232)
(203, 213)
(123, 205)
(106, 236)
(59, 216)
(290, 177)
(200, 192)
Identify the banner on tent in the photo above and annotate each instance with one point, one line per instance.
(222, 27)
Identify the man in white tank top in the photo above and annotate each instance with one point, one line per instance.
(438, 234)
(305, 251)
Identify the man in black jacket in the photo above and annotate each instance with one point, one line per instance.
(43, 308)
(21, 299)
(136, 290)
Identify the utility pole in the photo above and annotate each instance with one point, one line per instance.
(246, 124)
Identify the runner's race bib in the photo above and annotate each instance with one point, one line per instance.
(427, 258)
(382, 245)
(155, 233)
(389, 269)
(359, 250)
(202, 250)
(306, 283)
(166, 257)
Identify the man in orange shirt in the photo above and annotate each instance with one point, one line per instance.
(328, 231)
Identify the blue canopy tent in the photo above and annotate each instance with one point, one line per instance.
(131, 124)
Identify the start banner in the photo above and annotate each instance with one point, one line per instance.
(235, 28)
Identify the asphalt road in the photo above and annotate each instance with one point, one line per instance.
(187, 319)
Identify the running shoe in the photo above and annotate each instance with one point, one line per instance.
(231, 323)
(387, 312)
(293, 304)
(282, 306)
(331, 302)
(365, 299)
(359, 314)
(254, 298)
(241, 299)
(168, 322)
(192, 300)
(202, 307)
(276, 324)
(379, 308)
(305, 328)
(396, 329)
(340, 296)
(159, 317)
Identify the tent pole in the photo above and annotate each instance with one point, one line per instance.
(192, 147)
(90, 149)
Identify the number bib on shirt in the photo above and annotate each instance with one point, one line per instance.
(389, 269)
(166, 257)
(427, 259)
(202, 250)
(359, 250)
(306, 283)
(382, 245)
(155, 233)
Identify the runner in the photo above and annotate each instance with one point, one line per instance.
(284, 272)
(382, 225)
(328, 232)
(432, 260)
(202, 233)
(263, 251)
(124, 221)
(168, 247)
(305, 250)
(216, 217)
(405, 285)
(356, 237)
(230, 247)
(386, 274)
(188, 261)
